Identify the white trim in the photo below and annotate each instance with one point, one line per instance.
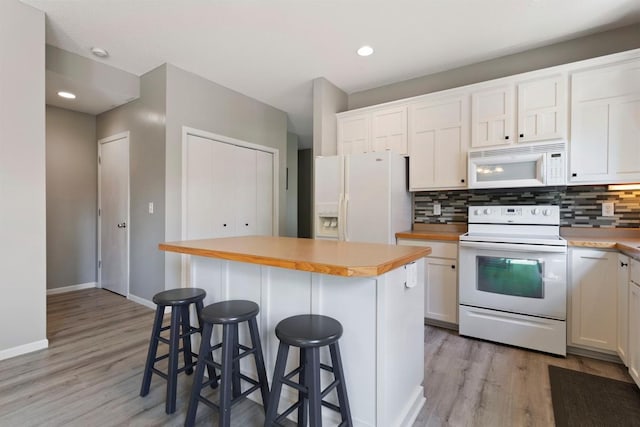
(185, 279)
(23, 349)
(71, 288)
(118, 136)
(141, 301)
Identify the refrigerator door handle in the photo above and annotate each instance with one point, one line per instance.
(345, 227)
(340, 216)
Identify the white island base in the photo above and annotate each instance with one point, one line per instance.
(382, 345)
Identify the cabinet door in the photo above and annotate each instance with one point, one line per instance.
(541, 109)
(389, 130)
(492, 116)
(634, 332)
(264, 184)
(594, 299)
(589, 149)
(353, 134)
(200, 201)
(623, 307)
(438, 143)
(441, 290)
(223, 188)
(624, 136)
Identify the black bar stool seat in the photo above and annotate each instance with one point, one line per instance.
(229, 314)
(179, 329)
(308, 332)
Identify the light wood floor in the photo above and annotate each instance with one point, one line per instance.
(90, 375)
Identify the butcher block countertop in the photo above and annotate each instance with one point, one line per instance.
(347, 259)
(449, 232)
(625, 240)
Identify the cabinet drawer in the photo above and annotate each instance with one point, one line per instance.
(438, 249)
(634, 275)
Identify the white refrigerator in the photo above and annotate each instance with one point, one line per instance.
(361, 197)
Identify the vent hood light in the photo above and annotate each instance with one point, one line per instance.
(622, 187)
(365, 51)
(67, 95)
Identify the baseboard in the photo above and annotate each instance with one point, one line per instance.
(441, 324)
(142, 301)
(607, 357)
(23, 349)
(72, 288)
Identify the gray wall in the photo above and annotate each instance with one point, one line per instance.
(144, 118)
(22, 180)
(72, 197)
(600, 44)
(328, 100)
(291, 229)
(305, 188)
(201, 104)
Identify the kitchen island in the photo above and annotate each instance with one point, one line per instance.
(376, 291)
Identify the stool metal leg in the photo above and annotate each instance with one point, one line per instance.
(229, 331)
(186, 339)
(235, 381)
(210, 369)
(205, 349)
(276, 385)
(262, 373)
(302, 396)
(312, 378)
(338, 371)
(153, 349)
(172, 374)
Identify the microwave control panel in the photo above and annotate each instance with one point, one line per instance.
(556, 166)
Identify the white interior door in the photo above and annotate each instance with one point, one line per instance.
(113, 165)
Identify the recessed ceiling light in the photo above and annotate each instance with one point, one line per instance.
(67, 95)
(365, 51)
(99, 52)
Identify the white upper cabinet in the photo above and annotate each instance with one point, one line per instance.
(605, 124)
(353, 134)
(389, 130)
(492, 116)
(377, 130)
(439, 139)
(541, 109)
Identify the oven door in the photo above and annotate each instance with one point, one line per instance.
(517, 278)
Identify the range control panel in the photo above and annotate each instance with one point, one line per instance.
(529, 214)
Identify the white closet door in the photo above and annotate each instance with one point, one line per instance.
(244, 189)
(224, 188)
(264, 185)
(200, 200)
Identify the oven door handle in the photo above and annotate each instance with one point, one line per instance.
(516, 247)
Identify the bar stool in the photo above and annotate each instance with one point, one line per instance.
(308, 332)
(229, 314)
(179, 329)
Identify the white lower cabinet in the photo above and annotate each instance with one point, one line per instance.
(593, 310)
(441, 280)
(633, 358)
(623, 307)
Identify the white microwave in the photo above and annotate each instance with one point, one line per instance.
(522, 166)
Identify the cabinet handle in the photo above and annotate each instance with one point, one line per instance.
(506, 137)
(623, 264)
(224, 225)
(453, 267)
(246, 224)
(522, 135)
(574, 174)
(462, 180)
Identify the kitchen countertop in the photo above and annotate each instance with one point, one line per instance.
(450, 232)
(318, 256)
(625, 240)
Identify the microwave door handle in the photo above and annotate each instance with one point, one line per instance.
(542, 170)
(515, 247)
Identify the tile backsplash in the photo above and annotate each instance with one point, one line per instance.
(580, 206)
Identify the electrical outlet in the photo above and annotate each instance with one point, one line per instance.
(437, 209)
(607, 209)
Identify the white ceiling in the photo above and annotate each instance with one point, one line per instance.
(271, 50)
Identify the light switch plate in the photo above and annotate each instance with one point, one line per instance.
(607, 209)
(150, 207)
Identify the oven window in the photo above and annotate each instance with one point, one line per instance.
(510, 276)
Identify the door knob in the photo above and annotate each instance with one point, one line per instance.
(122, 225)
